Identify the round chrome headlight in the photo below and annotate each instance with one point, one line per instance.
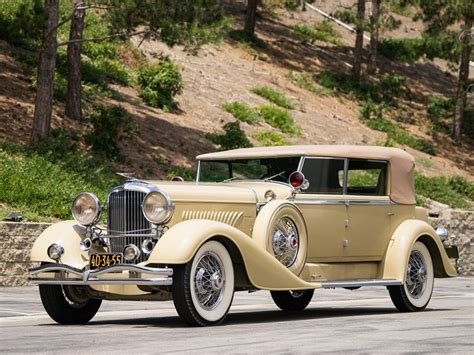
(157, 207)
(86, 209)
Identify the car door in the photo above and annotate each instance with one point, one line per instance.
(323, 208)
(369, 210)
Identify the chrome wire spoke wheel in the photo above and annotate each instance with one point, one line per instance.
(416, 274)
(209, 280)
(285, 241)
(415, 294)
(203, 289)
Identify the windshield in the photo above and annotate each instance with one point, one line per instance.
(275, 169)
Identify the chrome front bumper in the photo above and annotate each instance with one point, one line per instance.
(62, 274)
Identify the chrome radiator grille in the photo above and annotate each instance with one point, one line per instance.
(126, 223)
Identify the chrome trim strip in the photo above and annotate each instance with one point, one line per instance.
(55, 268)
(133, 268)
(360, 283)
(78, 282)
(319, 202)
(344, 202)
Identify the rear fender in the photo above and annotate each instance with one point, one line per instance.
(398, 252)
(180, 243)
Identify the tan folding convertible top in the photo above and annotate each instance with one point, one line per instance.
(402, 164)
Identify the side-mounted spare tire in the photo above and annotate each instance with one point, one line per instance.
(281, 229)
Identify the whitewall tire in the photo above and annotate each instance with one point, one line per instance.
(203, 289)
(415, 294)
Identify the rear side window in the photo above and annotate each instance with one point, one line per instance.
(323, 175)
(367, 178)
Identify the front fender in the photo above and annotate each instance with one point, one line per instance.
(396, 258)
(68, 234)
(180, 243)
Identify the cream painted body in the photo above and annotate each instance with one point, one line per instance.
(345, 237)
(236, 220)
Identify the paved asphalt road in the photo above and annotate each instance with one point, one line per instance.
(361, 321)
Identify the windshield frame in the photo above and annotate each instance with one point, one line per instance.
(299, 168)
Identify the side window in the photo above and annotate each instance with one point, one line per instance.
(323, 175)
(367, 178)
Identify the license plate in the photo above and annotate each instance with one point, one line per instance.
(98, 261)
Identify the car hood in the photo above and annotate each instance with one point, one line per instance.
(233, 192)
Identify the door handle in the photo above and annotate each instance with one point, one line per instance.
(391, 214)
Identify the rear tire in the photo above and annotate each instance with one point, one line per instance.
(68, 304)
(292, 301)
(415, 294)
(203, 289)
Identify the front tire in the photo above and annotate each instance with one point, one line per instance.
(292, 301)
(203, 289)
(415, 294)
(68, 304)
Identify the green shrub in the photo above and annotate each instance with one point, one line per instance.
(274, 96)
(41, 183)
(270, 138)
(242, 112)
(58, 145)
(305, 81)
(159, 84)
(278, 118)
(400, 8)
(232, 138)
(439, 109)
(407, 50)
(372, 115)
(323, 31)
(21, 22)
(108, 124)
(456, 191)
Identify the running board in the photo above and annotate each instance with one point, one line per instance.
(359, 283)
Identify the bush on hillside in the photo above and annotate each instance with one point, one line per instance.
(21, 22)
(278, 118)
(232, 138)
(274, 96)
(108, 124)
(242, 112)
(323, 31)
(270, 139)
(159, 84)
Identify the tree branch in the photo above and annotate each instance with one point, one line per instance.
(102, 39)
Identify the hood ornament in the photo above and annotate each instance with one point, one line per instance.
(128, 176)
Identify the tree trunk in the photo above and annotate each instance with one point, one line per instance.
(359, 43)
(374, 37)
(251, 18)
(45, 80)
(463, 79)
(74, 87)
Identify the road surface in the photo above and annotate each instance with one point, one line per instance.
(360, 321)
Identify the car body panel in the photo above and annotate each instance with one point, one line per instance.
(180, 243)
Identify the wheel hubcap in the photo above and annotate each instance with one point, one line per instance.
(209, 281)
(285, 242)
(416, 274)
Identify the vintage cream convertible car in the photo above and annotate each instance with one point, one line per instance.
(285, 219)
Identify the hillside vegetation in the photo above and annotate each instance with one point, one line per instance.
(150, 108)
